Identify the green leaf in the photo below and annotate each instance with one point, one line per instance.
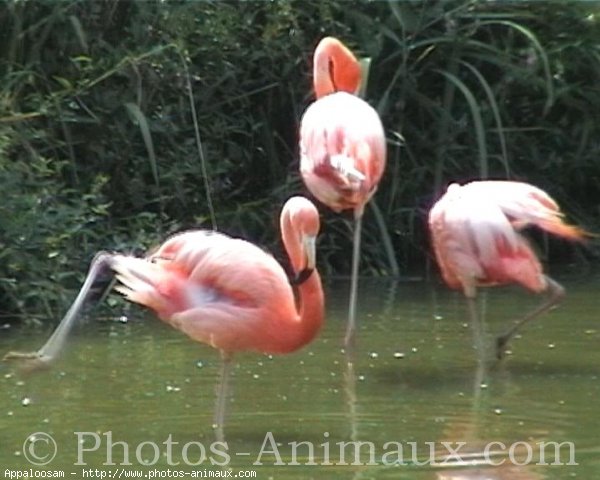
(541, 52)
(477, 121)
(138, 116)
(495, 111)
(63, 82)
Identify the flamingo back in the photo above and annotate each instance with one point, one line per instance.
(218, 290)
(525, 204)
(342, 151)
(476, 244)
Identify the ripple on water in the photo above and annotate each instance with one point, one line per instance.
(415, 379)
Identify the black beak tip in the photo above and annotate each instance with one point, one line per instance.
(301, 277)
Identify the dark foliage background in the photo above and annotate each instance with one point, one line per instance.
(99, 149)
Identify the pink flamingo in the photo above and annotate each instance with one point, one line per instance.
(222, 291)
(475, 232)
(342, 145)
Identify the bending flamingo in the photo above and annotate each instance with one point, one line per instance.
(222, 291)
(342, 145)
(475, 232)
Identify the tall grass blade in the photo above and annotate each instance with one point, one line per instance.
(203, 166)
(477, 121)
(365, 66)
(270, 150)
(126, 61)
(443, 123)
(385, 237)
(138, 116)
(540, 50)
(80, 34)
(495, 111)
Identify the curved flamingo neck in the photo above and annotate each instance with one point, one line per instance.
(311, 309)
(298, 217)
(335, 68)
(292, 242)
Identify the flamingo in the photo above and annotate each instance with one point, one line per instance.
(475, 231)
(342, 146)
(222, 291)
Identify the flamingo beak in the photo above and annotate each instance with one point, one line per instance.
(309, 243)
(310, 251)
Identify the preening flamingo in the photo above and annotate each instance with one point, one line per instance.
(475, 232)
(222, 291)
(342, 145)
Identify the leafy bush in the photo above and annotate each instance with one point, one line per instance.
(99, 148)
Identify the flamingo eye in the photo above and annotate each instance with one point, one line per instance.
(301, 277)
(332, 74)
(159, 258)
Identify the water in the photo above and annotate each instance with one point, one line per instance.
(415, 385)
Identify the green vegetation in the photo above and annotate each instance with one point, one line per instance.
(122, 122)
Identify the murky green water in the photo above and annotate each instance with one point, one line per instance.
(148, 386)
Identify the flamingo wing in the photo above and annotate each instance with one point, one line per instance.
(525, 204)
(476, 245)
(218, 290)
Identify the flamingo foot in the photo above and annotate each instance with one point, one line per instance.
(501, 342)
(29, 361)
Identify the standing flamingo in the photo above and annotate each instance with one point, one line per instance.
(342, 146)
(222, 291)
(475, 231)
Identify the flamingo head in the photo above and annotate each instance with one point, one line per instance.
(299, 228)
(336, 69)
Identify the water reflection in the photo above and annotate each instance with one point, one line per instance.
(479, 455)
(416, 378)
(510, 472)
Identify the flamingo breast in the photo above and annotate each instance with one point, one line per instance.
(342, 150)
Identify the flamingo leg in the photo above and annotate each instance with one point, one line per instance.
(351, 400)
(222, 395)
(54, 345)
(476, 326)
(556, 293)
(478, 344)
(350, 338)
